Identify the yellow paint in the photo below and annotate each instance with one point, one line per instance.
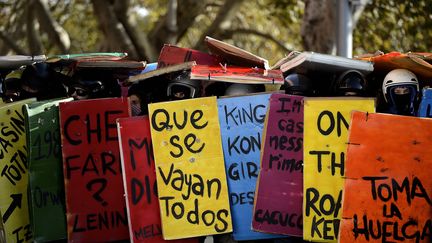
(207, 164)
(14, 173)
(325, 111)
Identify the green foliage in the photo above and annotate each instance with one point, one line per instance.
(394, 25)
(386, 25)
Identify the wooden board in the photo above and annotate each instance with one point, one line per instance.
(139, 180)
(326, 122)
(46, 183)
(242, 121)
(235, 74)
(425, 108)
(95, 204)
(171, 55)
(192, 187)
(415, 62)
(388, 187)
(14, 172)
(279, 196)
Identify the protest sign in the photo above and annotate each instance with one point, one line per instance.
(326, 122)
(242, 121)
(425, 108)
(279, 197)
(46, 184)
(192, 188)
(139, 180)
(388, 187)
(95, 204)
(14, 172)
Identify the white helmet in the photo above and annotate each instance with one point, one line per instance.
(399, 77)
(241, 89)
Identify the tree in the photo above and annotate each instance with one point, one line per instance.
(268, 28)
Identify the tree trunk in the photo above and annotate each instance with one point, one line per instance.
(114, 31)
(318, 30)
(187, 11)
(51, 27)
(145, 51)
(226, 12)
(33, 36)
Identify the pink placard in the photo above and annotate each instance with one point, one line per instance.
(279, 196)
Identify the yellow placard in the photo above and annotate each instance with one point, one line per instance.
(14, 172)
(326, 123)
(190, 170)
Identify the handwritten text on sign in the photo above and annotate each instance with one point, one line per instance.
(193, 193)
(326, 122)
(46, 184)
(95, 205)
(242, 121)
(388, 188)
(278, 206)
(14, 172)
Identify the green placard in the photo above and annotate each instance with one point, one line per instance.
(46, 185)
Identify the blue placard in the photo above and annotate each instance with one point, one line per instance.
(425, 108)
(241, 121)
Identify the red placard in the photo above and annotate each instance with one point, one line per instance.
(171, 55)
(235, 74)
(95, 205)
(139, 180)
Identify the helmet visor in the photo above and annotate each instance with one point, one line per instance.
(180, 91)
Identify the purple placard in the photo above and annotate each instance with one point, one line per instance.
(279, 196)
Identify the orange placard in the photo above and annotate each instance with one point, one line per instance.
(388, 186)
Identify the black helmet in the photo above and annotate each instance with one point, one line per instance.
(35, 77)
(297, 84)
(350, 83)
(86, 89)
(182, 87)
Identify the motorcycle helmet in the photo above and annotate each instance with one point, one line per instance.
(182, 87)
(297, 84)
(350, 83)
(400, 89)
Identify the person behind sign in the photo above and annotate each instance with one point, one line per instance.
(298, 84)
(350, 83)
(182, 87)
(401, 90)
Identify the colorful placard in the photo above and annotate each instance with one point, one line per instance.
(388, 187)
(14, 172)
(46, 184)
(279, 197)
(139, 180)
(242, 120)
(95, 205)
(192, 187)
(425, 108)
(326, 122)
